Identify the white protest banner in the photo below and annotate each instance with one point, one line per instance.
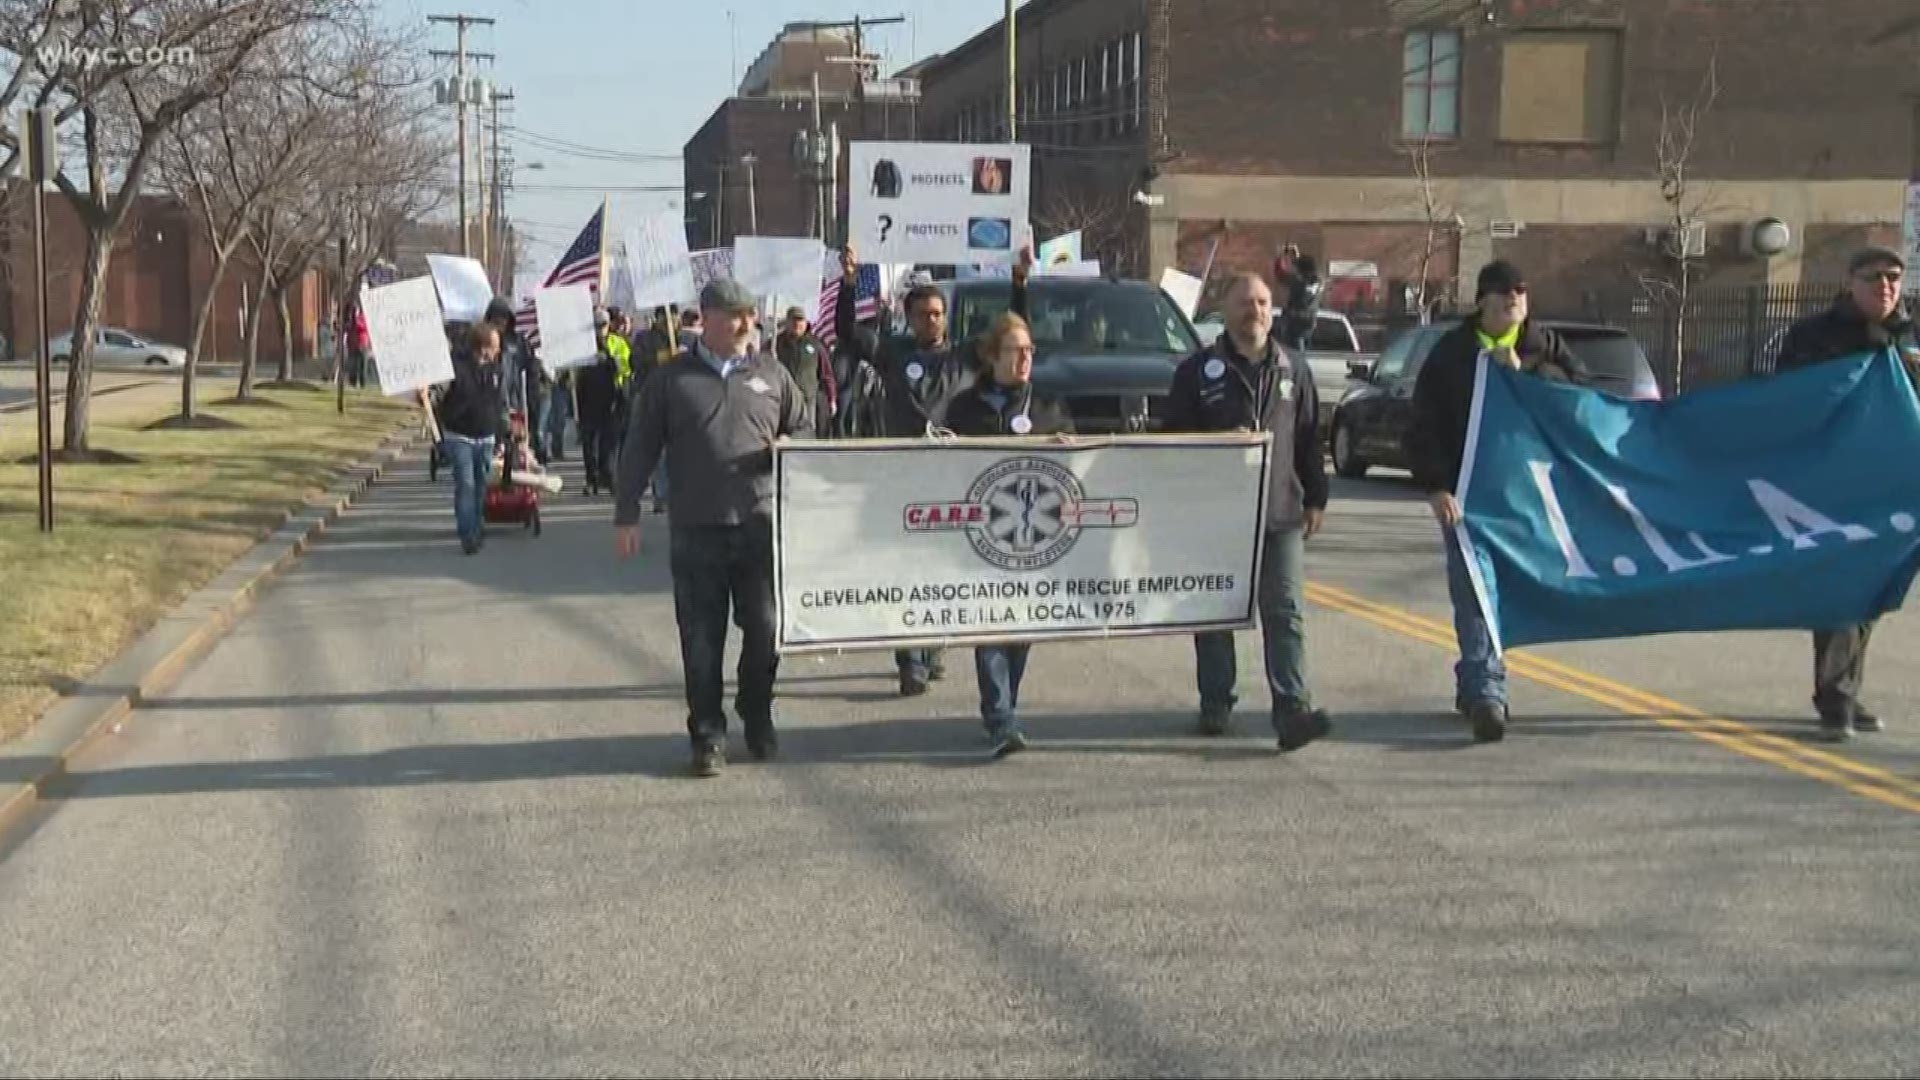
(1183, 287)
(939, 204)
(1058, 251)
(981, 540)
(782, 270)
(710, 265)
(463, 287)
(659, 263)
(566, 326)
(408, 337)
(619, 277)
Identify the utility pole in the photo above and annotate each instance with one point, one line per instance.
(1013, 77)
(749, 160)
(41, 146)
(496, 208)
(460, 95)
(822, 153)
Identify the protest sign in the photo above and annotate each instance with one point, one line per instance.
(1184, 288)
(943, 204)
(1059, 251)
(983, 540)
(659, 264)
(710, 265)
(408, 337)
(462, 285)
(781, 270)
(1736, 507)
(565, 315)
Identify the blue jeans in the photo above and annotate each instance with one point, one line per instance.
(1481, 674)
(537, 424)
(999, 669)
(559, 411)
(470, 460)
(917, 664)
(1282, 631)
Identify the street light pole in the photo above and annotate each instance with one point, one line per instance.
(1013, 78)
(39, 144)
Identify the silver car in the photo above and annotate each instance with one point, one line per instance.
(113, 346)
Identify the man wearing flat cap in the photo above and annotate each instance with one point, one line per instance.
(1868, 317)
(715, 413)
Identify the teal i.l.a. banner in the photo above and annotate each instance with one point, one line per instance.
(1781, 503)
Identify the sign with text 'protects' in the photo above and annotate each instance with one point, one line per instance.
(970, 541)
(941, 204)
(409, 341)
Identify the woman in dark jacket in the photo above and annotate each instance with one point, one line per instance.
(468, 414)
(1002, 402)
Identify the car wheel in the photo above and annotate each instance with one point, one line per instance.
(1346, 460)
(160, 360)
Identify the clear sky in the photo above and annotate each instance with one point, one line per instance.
(640, 77)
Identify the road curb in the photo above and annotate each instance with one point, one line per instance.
(158, 658)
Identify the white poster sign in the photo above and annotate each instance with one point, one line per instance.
(781, 270)
(1911, 233)
(463, 287)
(658, 261)
(408, 337)
(983, 540)
(619, 276)
(940, 204)
(566, 326)
(1087, 268)
(710, 265)
(1184, 288)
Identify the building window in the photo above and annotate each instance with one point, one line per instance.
(1430, 85)
(1560, 86)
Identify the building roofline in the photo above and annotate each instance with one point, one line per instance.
(1029, 12)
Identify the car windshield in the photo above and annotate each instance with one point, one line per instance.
(1610, 355)
(1084, 316)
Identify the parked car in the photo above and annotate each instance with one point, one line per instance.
(1108, 348)
(1370, 426)
(112, 345)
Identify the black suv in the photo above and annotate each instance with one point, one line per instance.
(1107, 348)
(1370, 425)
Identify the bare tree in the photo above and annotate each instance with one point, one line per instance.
(1100, 215)
(1439, 224)
(1687, 203)
(244, 149)
(127, 115)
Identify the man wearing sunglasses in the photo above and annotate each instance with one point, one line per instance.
(1868, 317)
(1442, 404)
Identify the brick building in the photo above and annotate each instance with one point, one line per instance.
(776, 196)
(1537, 123)
(161, 266)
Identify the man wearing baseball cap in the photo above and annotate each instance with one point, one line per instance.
(1500, 329)
(714, 414)
(1868, 317)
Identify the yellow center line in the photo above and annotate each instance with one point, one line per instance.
(1812, 762)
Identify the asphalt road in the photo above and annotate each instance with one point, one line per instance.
(424, 813)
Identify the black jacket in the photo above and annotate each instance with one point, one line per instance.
(803, 357)
(1842, 330)
(1217, 389)
(971, 413)
(472, 404)
(596, 390)
(886, 401)
(1443, 396)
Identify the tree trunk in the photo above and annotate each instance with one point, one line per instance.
(80, 365)
(249, 363)
(189, 376)
(286, 333)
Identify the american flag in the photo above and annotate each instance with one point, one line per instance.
(581, 263)
(866, 301)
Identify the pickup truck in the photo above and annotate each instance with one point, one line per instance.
(1332, 349)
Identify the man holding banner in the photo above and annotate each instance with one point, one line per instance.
(1245, 381)
(1442, 404)
(1867, 318)
(910, 380)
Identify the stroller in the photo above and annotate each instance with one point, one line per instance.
(509, 502)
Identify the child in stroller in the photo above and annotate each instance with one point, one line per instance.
(514, 500)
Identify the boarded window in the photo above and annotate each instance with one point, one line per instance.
(1560, 86)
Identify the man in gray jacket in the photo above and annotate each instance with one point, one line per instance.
(715, 413)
